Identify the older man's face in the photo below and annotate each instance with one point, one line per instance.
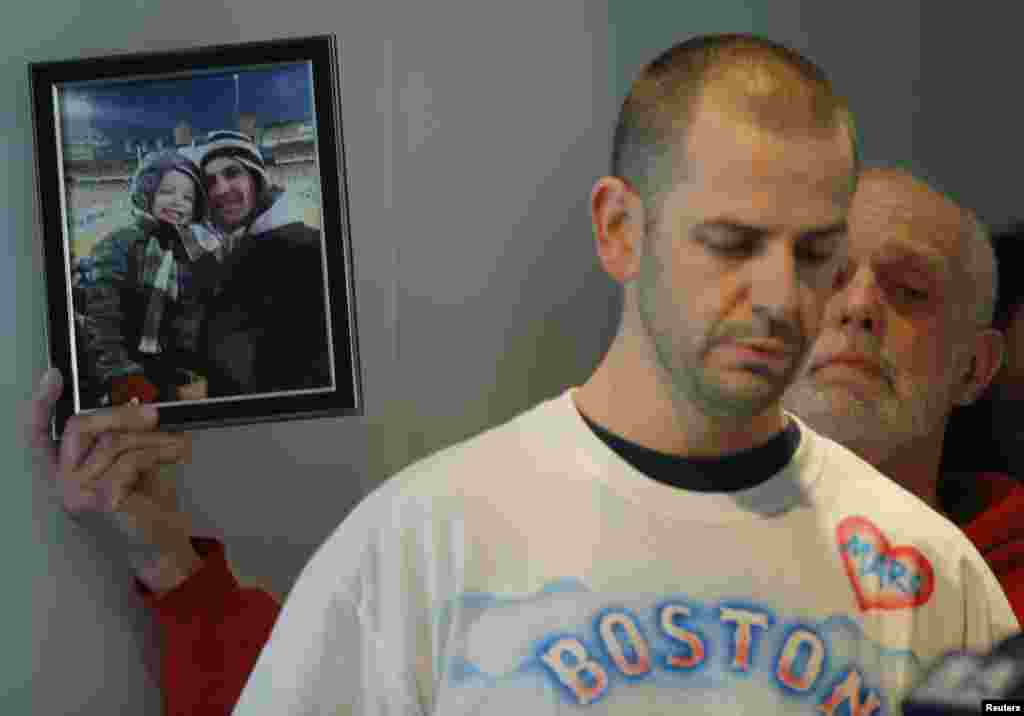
(883, 371)
(231, 190)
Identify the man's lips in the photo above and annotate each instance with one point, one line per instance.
(772, 353)
(858, 361)
(228, 203)
(229, 206)
(767, 347)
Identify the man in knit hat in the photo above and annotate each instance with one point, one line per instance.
(236, 172)
(257, 312)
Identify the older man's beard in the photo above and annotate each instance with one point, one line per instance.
(875, 428)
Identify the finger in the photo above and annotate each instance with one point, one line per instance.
(40, 413)
(51, 384)
(111, 447)
(74, 499)
(76, 495)
(129, 417)
(133, 468)
(83, 429)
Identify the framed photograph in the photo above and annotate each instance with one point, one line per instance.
(194, 226)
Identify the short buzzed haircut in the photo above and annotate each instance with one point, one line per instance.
(778, 90)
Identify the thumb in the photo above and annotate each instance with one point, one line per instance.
(40, 413)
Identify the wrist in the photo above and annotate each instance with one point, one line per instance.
(165, 572)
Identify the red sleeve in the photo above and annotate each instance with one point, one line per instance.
(212, 631)
(1012, 580)
(999, 534)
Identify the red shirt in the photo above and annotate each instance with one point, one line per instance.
(998, 533)
(212, 631)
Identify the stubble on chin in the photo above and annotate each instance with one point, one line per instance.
(715, 397)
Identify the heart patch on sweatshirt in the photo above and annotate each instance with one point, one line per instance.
(884, 576)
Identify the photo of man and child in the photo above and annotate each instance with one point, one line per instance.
(198, 269)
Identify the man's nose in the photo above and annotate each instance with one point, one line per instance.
(774, 283)
(859, 304)
(216, 185)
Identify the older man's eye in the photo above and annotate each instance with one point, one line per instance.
(911, 293)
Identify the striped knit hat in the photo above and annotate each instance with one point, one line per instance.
(239, 146)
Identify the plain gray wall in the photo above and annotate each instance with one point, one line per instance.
(971, 104)
(473, 134)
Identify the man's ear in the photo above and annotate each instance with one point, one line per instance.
(618, 218)
(986, 359)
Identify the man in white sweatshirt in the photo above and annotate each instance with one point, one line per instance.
(664, 536)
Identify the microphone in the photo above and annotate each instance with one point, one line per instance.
(966, 684)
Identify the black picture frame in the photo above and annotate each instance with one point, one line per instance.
(245, 312)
